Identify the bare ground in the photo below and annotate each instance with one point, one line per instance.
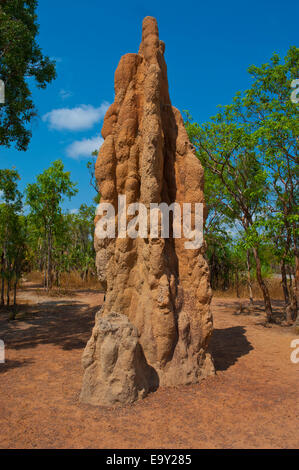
(252, 402)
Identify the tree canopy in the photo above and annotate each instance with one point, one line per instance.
(21, 59)
(249, 151)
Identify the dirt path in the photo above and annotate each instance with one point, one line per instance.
(252, 402)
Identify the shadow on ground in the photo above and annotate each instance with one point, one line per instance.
(9, 364)
(67, 324)
(257, 309)
(228, 345)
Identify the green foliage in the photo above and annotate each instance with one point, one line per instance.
(93, 182)
(73, 244)
(58, 242)
(20, 60)
(13, 233)
(274, 121)
(236, 182)
(45, 239)
(44, 199)
(249, 151)
(46, 195)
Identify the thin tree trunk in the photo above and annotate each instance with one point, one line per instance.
(45, 270)
(2, 279)
(2, 290)
(264, 289)
(7, 293)
(296, 287)
(15, 293)
(249, 278)
(49, 270)
(284, 282)
(57, 281)
(297, 273)
(237, 284)
(84, 275)
(293, 298)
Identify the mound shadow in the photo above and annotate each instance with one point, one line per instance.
(67, 324)
(228, 345)
(13, 364)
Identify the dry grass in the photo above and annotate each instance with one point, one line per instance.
(73, 281)
(273, 284)
(33, 276)
(68, 281)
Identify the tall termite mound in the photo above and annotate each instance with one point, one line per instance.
(155, 324)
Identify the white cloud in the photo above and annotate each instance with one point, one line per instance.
(75, 119)
(64, 94)
(74, 211)
(84, 147)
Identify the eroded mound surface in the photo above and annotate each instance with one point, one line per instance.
(162, 287)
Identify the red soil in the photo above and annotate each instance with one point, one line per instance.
(252, 402)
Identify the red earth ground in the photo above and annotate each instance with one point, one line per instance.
(252, 401)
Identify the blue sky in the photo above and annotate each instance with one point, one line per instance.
(209, 46)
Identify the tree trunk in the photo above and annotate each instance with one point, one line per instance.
(264, 289)
(249, 278)
(15, 293)
(7, 293)
(296, 287)
(45, 276)
(284, 282)
(293, 297)
(237, 284)
(57, 281)
(84, 275)
(49, 263)
(2, 290)
(2, 279)
(296, 271)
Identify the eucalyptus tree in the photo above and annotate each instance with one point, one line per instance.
(250, 154)
(13, 233)
(21, 59)
(233, 169)
(44, 199)
(274, 120)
